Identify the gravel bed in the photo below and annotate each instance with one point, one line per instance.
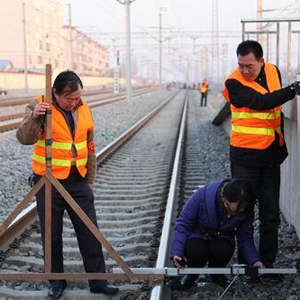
(214, 160)
(110, 121)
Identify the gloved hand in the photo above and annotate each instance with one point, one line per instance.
(296, 87)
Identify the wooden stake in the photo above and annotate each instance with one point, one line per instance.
(48, 186)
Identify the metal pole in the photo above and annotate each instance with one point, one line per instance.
(160, 47)
(288, 57)
(277, 44)
(268, 37)
(243, 31)
(298, 118)
(128, 50)
(70, 37)
(298, 54)
(25, 47)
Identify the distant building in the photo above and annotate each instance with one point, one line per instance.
(88, 56)
(47, 39)
(6, 65)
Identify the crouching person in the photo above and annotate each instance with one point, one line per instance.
(210, 221)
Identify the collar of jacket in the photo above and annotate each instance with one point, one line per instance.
(261, 76)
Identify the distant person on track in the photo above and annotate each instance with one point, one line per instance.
(204, 91)
(257, 145)
(74, 165)
(206, 229)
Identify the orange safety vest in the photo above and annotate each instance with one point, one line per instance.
(204, 87)
(62, 157)
(255, 129)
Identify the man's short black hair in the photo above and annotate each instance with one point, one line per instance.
(239, 190)
(250, 46)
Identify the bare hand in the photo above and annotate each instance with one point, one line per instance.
(40, 109)
(259, 265)
(178, 261)
(91, 186)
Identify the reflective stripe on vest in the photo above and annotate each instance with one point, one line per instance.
(55, 145)
(55, 161)
(65, 146)
(256, 115)
(252, 130)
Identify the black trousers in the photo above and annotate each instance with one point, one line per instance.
(216, 252)
(89, 246)
(266, 183)
(203, 99)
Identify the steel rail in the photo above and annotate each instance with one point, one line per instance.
(100, 102)
(20, 115)
(157, 292)
(233, 270)
(27, 216)
(14, 101)
(24, 100)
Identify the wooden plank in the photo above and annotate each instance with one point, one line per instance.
(77, 276)
(48, 186)
(21, 206)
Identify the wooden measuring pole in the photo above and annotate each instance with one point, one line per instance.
(48, 186)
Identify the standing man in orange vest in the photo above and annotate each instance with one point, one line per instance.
(257, 145)
(204, 92)
(74, 165)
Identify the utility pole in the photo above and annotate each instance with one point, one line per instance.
(160, 46)
(215, 70)
(25, 47)
(70, 37)
(128, 47)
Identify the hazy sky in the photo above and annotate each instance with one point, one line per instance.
(104, 16)
(108, 15)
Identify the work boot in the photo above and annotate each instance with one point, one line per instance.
(188, 281)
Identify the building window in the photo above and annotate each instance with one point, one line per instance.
(48, 47)
(40, 60)
(40, 45)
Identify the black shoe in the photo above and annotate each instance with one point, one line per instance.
(219, 279)
(188, 281)
(106, 289)
(55, 292)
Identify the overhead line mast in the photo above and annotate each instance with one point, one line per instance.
(128, 47)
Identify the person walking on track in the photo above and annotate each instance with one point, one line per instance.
(204, 91)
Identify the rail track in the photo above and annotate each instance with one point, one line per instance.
(14, 101)
(130, 193)
(6, 122)
(141, 186)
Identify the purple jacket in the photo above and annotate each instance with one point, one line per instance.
(199, 216)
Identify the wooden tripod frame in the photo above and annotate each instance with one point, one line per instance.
(49, 180)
